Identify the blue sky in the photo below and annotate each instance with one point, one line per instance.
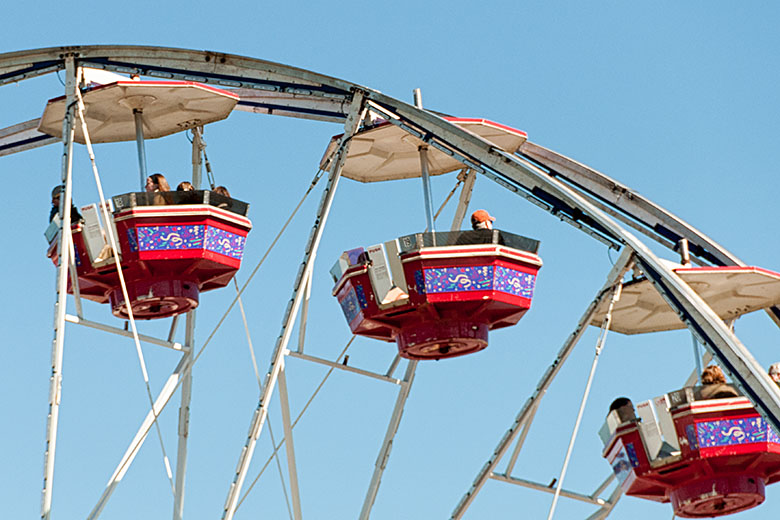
(676, 100)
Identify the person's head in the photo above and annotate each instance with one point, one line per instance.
(222, 191)
(624, 408)
(55, 196)
(712, 375)
(157, 182)
(481, 219)
(774, 372)
(185, 186)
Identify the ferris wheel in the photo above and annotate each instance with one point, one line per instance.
(155, 254)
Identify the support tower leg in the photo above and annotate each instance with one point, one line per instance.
(63, 254)
(260, 414)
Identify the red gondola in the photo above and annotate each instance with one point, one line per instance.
(438, 294)
(707, 457)
(172, 246)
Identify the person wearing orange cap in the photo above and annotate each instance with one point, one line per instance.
(481, 219)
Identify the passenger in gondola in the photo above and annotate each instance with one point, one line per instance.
(221, 190)
(56, 193)
(481, 219)
(481, 230)
(157, 183)
(624, 408)
(186, 194)
(774, 373)
(714, 384)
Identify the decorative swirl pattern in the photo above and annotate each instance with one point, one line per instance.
(161, 238)
(224, 242)
(729, 432)
(174, 238)
(515, 282)
(479, 278)
(459, 279)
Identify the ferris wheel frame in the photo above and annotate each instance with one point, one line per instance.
(570, 191)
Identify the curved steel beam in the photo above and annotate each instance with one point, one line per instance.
(204, 66)
(628, 205)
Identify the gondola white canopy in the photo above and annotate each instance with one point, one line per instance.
(386, 152)
(168, 107)
(729, 291)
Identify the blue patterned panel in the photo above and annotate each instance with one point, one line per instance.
(161, 238)
(515, 282)
(773, 436)
(632, 454)
(621, 466)
(131, 240)
(690, 432)
(459, 279)
(350, 305)
(78, 258)
(225, 242)
(361, 296)
(729, 432)
(419, 282)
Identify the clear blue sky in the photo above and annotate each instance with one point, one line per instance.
(678, 101)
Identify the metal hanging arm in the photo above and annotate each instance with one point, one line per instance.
(426, 182)
(139, 141)
(425, 176)
(198, 149)
(469, 176)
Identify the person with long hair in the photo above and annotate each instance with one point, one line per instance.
(714, 384)
(157, 182)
